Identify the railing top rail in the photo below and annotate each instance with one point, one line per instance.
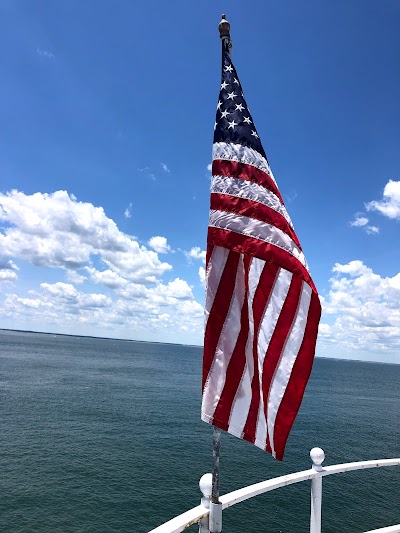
(181, 522)
(250, 491)
(359, 465)
(389, 529)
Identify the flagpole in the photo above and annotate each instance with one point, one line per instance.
(215, 520)
(224, 32)
(215, 470)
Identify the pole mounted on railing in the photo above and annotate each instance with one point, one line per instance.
(215, 517)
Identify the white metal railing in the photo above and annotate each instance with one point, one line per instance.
(201, 513)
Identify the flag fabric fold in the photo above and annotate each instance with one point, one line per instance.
(262, 308)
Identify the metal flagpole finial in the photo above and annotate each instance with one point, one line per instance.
(224, 28)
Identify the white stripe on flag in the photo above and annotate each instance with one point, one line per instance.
(288, 358)
(226, 344)
(267, 328)
(241, 154)
(242, 401)
(258, 230)
(249, 191)
(214, 272)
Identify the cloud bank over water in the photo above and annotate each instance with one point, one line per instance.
(361, 311)
(66, 266)
(121, 281)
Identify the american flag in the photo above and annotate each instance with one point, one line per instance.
(262, 308)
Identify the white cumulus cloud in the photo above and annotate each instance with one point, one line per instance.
(196, 253)
(372, 230)
(45, 53)
(389, 206)
(73, 298)
(361, 221)
(135, 311)
(7, 270)
(202, 275)
(159, 244)
(128, 211)
(56, 230)
(131, 301)
(75, 277)
(8, 275)
(108, 278)
(362, 310)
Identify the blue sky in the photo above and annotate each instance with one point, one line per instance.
(107, 117)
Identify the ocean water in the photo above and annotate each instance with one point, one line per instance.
(103, 435)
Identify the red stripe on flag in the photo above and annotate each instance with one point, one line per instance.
(234, 169)
(237, 361)
(260, 302)
(219, 311)
(298, 379)
(258, 248)
(252, 209)
(268, 446)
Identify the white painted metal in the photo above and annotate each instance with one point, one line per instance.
(205, 485)
(181, 522)
(246, 493)
(361, 465)
(317, 455)
(390, 529)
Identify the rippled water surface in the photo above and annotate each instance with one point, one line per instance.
(105, 435)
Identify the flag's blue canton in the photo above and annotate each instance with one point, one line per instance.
(234, 123)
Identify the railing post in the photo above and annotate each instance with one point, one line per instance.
(205, 485)
(317, 455)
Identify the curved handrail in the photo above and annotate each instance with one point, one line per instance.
(245, 493)
(183, 521)
(389, 529)
(250, 491)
